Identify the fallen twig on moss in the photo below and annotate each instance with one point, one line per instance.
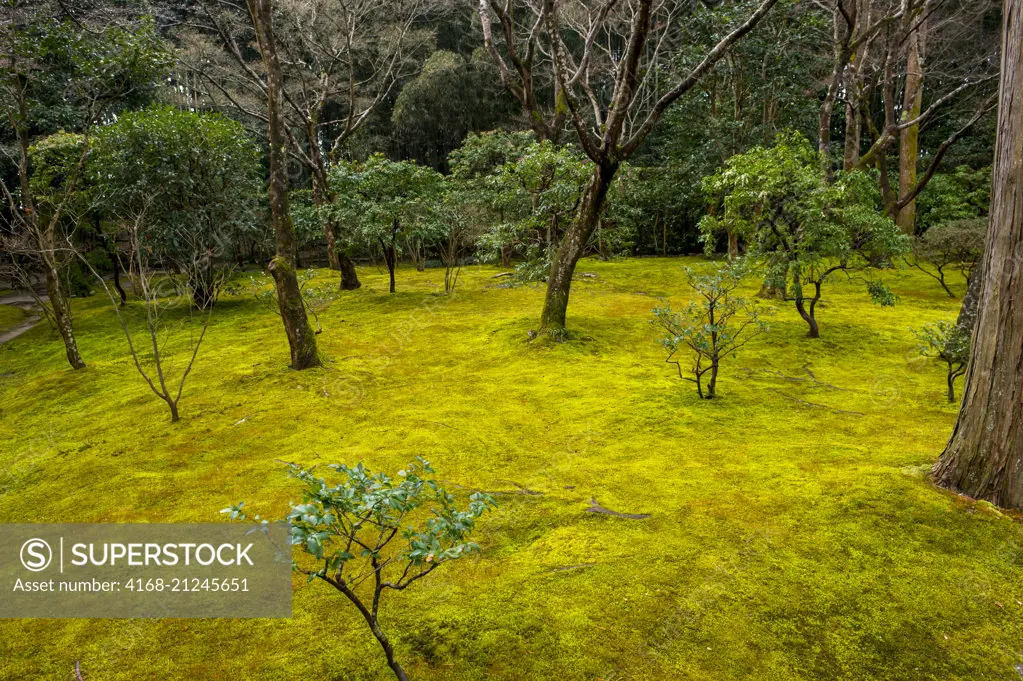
(597, 508)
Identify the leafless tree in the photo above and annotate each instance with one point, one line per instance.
(165, 299)
(606, 69)
(922, 60)
(340, 59)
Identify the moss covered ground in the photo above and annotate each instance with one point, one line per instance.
(11, 317)
(792, 532)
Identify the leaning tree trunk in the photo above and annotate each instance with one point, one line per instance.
(984, 456)
(62, 316)
(301, 337)
(559, 283)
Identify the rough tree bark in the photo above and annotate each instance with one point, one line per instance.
(984, 456)
(909, 139)
(301, 338)
(559, 283)
(349, 277)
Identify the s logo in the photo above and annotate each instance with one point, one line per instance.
(36, 555)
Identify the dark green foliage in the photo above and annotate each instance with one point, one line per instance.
(961, 194)
(192, 181)
(958, 244)
(805, 228)
(450, 97)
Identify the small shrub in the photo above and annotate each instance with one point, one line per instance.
(711, 328)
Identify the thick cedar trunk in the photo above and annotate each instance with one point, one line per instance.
(909, 139)
(559, 283)
(505, 256)
(733, 245)
(301, 338)
(349, 277)
(984, 456)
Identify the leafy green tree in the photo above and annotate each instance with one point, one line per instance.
(537, 193)
(949, 342)
(460, 218)
(472, 166)
(759, 88)
(195, 177)
(384, 203)
(370, 533)
(805, 228)
(712, 328)
(55, 164)
(957, 244)
(962, 194)
(63, 73)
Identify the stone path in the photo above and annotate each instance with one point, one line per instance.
(25, 302)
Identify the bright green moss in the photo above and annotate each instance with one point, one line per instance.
(11, 317)
(786, 541)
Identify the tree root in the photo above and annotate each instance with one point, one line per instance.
(597, 508)
(815, 405)
(810, 377)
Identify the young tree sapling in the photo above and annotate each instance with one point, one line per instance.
(370, 533)
(713, 327)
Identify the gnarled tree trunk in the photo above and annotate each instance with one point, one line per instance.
(984, 456)
(301, 338)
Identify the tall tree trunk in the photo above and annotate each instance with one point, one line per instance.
(301, 338)
(391, 254)
(841, 36)
(853, 135)
(909, 139)
(559, 283)
(984, 456)
(46, 240)
(854, 88)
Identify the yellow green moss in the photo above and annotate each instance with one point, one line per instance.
(786, 539)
